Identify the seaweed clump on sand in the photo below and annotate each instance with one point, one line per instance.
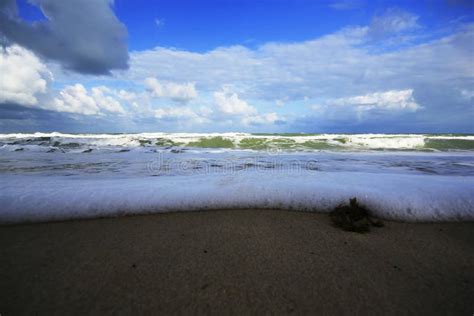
(354, 218)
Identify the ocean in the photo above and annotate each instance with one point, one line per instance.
(408, 177)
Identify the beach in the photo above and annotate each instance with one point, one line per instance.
(236, 157)
(234, 262)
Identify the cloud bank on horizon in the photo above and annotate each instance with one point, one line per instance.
(68, 67)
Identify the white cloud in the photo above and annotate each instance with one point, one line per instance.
(262, 119)
(23, 76)
(317, 68)
(221, 66)
(76, 99)
(26, 80)
(228, 102)
(175, 91)
(272, 71)
(229, 106)
(181, 113)
(398, 100)
(129, 96)
(393, 21)
(103, 97)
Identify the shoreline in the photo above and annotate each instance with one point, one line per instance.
(235, 261)
(316, 212)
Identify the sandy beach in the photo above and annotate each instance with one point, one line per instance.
(235, 261)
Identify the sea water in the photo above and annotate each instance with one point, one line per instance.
(54, 176)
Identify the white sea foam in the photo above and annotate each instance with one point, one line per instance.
(391, 196)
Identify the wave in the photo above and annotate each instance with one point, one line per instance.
(244, 141)
(58, 176)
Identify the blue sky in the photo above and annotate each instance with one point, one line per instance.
(258, 66)
(205, 25)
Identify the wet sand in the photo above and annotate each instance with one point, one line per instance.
(235, 261)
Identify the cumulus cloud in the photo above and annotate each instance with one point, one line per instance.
(24, 76)
(230, 106)
(129, 96)
(26, 81)
(84, 36)
(397, 100)
(228, 102)
(106, 100)
(76, 99)
(175, 91)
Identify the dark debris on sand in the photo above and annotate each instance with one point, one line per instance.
(354, 218)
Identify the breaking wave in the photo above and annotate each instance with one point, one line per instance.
(288, 142)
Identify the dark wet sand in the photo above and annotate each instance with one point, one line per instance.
(250, 261)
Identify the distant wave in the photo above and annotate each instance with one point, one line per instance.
(281, 142)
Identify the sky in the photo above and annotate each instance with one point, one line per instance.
(342, 66)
